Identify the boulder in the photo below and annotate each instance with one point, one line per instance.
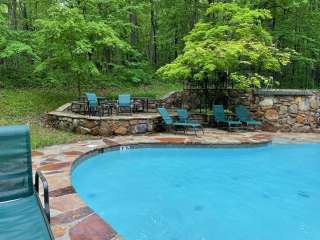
(314, 102)
(83, 130)
(140, 128)
(105, 129)
(121, 130)
(95, 131)
(300, 119)
(75, 123)
(89, 124)
(272, 115)
(283, 109)
(293, 109)
(304, 105)
(291, 121)
(266, 103)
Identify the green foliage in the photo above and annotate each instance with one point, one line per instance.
(28, 106)
(92, 42)
(16, 53)
(14, 49)
(67, 42)
(229, 39)
(294, 25)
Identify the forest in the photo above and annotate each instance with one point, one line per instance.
(103, 43)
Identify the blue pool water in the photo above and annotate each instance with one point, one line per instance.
(264, 193)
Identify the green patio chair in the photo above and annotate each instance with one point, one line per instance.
(22, 216)
(124, 102)
(221, 120)
(183, 117)
(168, 121)
(245, 117)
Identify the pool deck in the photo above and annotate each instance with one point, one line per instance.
(71, 219)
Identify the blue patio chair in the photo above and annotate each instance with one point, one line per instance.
(22, 216)
(245, 117)
(93, 104)
(168, 121)
(183, 117)
(221, 120)
(124, 103)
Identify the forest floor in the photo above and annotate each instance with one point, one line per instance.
(27, 106)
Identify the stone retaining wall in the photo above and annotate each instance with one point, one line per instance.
(64, 119)
(288, 112)
(105, 126)
(279, 110)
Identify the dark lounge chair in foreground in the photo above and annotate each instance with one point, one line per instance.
(222, 121)
(244, 116)
(168, 121)
(22, 216)
(183, 117)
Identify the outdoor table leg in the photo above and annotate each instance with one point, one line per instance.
(147, 105)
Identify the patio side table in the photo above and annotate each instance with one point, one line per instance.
(144, 103)
(106, 108)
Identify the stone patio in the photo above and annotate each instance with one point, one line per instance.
(72, 219)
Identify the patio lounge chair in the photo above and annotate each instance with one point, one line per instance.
(221, 120)
(168, 121)
(22, 216)
(244, 116)
(183, 117)
(124, 102)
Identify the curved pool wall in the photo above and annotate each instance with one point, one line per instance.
(118, 147)
(269, 215)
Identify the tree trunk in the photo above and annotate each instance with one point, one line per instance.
(13, 14)
(134, 31)
(79, 86)
(154, 47)
(107, 58)
(24, 16)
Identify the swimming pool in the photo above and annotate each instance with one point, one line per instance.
(200, 193)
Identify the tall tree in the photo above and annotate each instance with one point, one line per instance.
(68, 41)
(230, 40)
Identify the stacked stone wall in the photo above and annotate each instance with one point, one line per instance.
(288, 113)
(278, 110)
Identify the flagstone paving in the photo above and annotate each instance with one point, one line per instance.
(71, 219)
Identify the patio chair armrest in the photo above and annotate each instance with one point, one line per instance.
(45, 185)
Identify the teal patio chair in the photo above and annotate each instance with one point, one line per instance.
(93, 104)
(221, 120)
(183, 117)
(124, 102)
(22, 216)
(168, 121)
(244, 116)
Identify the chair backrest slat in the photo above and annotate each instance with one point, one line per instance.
(15, 163)
(183, 115)
(165, 116)
(242, 113)
(218, 112)
(124, 100)
(92, 99)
